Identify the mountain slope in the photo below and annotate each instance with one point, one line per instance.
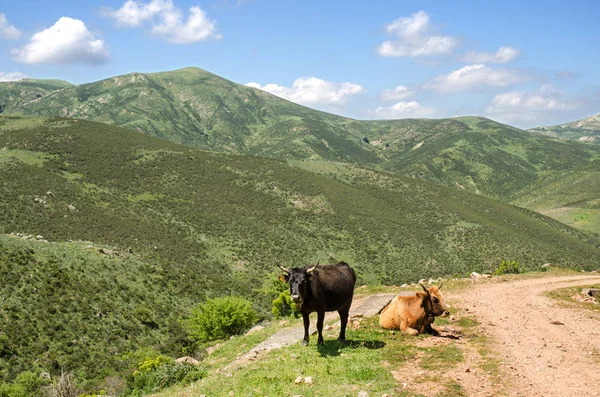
(18, 93)
(585, 130)
(178, 225)
(573, 199)
(197, 108)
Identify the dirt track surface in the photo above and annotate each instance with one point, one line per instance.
(546, 349)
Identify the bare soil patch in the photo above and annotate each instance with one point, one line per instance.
(546, 349)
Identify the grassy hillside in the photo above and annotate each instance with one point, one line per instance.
(188, 224)
(573, 199)
(197, 108)
(17, 93)
(585, 130)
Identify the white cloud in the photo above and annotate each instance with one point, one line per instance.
(11, 76)
(166, 20)
(8, 31)
(396, 94)
(68, 41)
(400, 110)
(529, 107)
(414, 38)
(476, 76)
(503, 55)
(313, 91)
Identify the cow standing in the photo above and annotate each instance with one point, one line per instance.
(414, 314)
(321, 289)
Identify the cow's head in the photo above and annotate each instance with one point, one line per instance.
(299, 281)
(433, 301)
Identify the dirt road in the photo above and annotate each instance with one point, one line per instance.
(546, 349)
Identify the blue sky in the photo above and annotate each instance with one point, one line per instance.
(526, 63)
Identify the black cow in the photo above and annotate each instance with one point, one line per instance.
(321, 289)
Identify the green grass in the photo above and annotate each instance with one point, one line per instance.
(564, 295)
(364, 362)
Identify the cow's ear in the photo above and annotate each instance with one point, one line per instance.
(284, 278)
(421, 295)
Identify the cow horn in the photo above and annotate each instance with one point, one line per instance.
(440, 287)
(312, 268)
(426, 290)
(288, 271)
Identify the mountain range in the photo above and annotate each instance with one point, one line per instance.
(199, 109)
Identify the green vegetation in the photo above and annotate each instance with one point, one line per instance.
(367, 361)
(283, 306)
(220, 318)
(197, 108)
(508, 267)
(572, 199)
(565, 297)
(154, 374)
(586, 130)
(169, 227)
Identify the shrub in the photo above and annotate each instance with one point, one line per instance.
(154, 374)
(65, 386)
(220, 318)
(508, 267)
(283, 305)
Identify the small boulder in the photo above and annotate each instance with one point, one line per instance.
(308, 380)
(72, 208)
(187, 360)
(363, 393)
(475, 276)
(255, 329)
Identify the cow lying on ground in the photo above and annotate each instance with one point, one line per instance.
(321, 289)
(414, 314)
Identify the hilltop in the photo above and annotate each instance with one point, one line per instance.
(199, 109)
(585, 130)
(168, 226)
(18, 93)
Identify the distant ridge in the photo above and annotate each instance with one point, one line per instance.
(200, 109)
(584, 130)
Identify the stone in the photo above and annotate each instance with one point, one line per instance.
(299, 380)
(71, 208)
(595, 292)
(546, 265)
(187, 360)
(475, 276)
(308, 380)
(255, 329)
(363, 393)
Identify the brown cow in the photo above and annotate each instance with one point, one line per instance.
(321, 289)
(414, 314)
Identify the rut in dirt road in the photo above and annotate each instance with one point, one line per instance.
(547, 350)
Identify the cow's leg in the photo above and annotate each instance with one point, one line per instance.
(411, 331)
(306, 324)
(406, 329)
(320, 319)
(343, 322)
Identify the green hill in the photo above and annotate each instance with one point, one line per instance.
(197, 108)
(573, 199)
(585, 130)
(178, 225)
(27, 91)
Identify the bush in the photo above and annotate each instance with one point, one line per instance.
(283, 306)
(220, 318)
(154, 374)
(508, 267)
